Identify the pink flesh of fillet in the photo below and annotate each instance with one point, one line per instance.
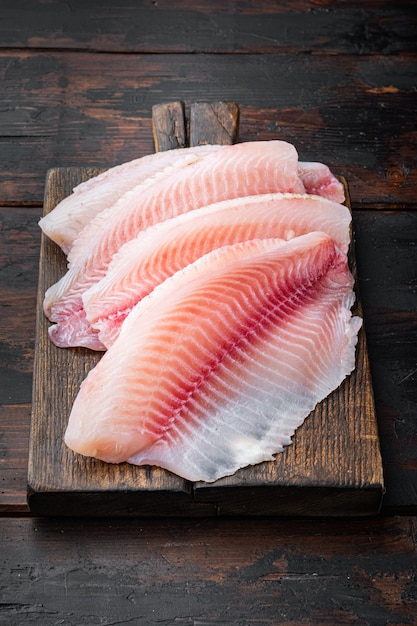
(65, 222)
(239, 170)
(319, 180)
(219, 365)
(167, 247)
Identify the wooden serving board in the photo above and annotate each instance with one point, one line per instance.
(333, 467)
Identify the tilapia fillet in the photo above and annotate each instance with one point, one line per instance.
(167, 247)
(239, 170)
(102, 192)
(67, 220)
(218, 366)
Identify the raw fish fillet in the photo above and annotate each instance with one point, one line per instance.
(313, 178)
(64, 223)
(128, 201)
(167, 247)
(319, 180)
(219, 365)
(239, 170)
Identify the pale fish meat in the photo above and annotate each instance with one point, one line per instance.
(239, 170)
(319, 180)
(167, 247)
(313, 178)
(222, 362)
(65, 222)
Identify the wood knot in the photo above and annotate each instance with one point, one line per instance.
(395, 175)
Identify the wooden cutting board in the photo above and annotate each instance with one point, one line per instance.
(333, 467)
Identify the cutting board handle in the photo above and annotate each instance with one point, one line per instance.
(176, 126)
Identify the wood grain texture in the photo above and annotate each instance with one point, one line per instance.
(209, 572)
(168, 126)
(217, 120)
(386, 278)
(19, 259)
(14, 444)
(333, 468)
(95, 110)
(388, 287)
(336, 78)
(173, 26)
(175, 125)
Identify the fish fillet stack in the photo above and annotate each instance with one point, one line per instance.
(215, 280)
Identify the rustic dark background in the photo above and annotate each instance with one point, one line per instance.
(338, 79)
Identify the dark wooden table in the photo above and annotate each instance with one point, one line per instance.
(337, 79)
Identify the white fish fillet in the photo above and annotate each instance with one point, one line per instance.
(64, 223)
(167, 247)
(128, 201)
(239, 170)
(319, 180)
(219, 365)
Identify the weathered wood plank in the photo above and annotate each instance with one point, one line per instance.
(342, 477)
(208, 572)
(176, 126)
(94, 110)
(52, 468)
(217, 120)
(19, 258)
(14, 440)
(386, 271)
(386, 258)
(172, 493)
(180, 26)
(168, 126)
